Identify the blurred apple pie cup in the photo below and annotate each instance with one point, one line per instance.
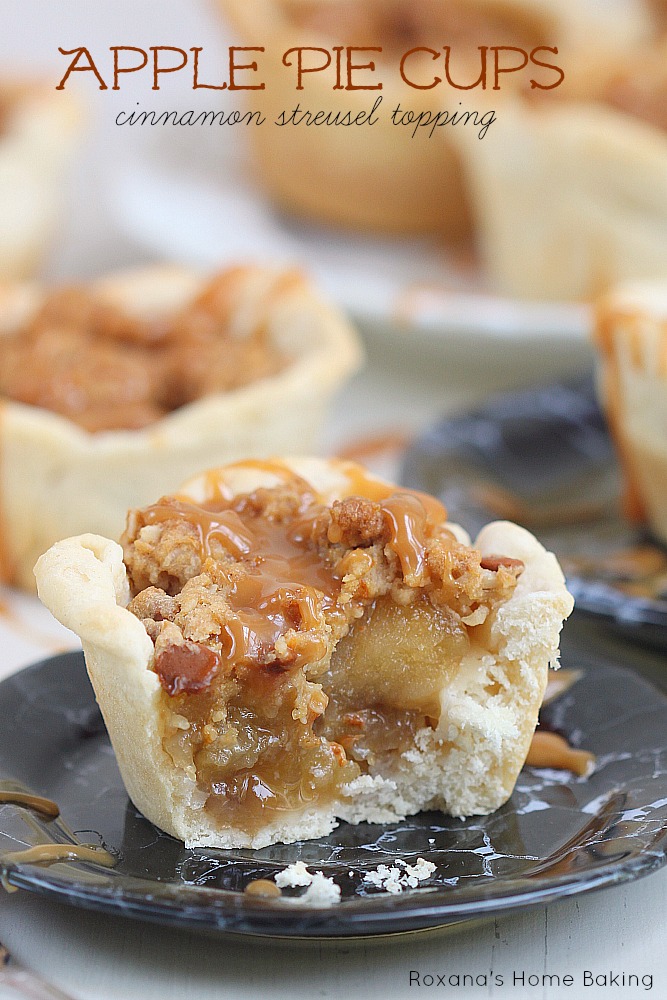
(631, 336)
(113, 393)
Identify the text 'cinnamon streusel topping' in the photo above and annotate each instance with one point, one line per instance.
(295, 641)
(105, 369)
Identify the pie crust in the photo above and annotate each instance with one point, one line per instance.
(631, 336)
(37, 137)
(465, 760)
(56, 479)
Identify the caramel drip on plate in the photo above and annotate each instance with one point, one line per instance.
(552, 750)
(559, 682)
(41, 805)
(263, 888)
(49, 854)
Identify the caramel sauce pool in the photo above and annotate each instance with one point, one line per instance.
(41, 805)
(551, 750)
(49, 854)
(263, 888)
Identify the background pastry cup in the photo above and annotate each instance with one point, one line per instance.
(365, 177)
(631, 335)
(56, 479)
(381, 177)
(569, 198)
(37, 137)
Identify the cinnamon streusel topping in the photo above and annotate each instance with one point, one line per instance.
(88, 360)
(295, 640)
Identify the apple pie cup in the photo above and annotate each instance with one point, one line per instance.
(286, 644)
(89, 427)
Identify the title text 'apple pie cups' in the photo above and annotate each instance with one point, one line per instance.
(381, 177)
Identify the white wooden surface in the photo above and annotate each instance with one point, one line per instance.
(619, 930)
(614, 932)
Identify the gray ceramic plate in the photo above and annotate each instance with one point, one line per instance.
(558, 835)
(543, 457)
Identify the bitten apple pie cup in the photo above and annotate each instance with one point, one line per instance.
(290, 643)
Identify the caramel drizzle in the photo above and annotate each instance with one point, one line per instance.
(409, 534)
(41, 805)
(612, 322)
(551, 750)
(216, 488)
(49, 854)
(287, 584)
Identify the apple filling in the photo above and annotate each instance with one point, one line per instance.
(299, 645)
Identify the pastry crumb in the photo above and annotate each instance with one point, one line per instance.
(400, 876)
(321, 891)
(293, 876)
(388, 879)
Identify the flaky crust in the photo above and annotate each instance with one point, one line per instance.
(57, 480)
(469, 765)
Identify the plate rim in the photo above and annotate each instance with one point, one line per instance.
(594, 597)
(364, 916)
